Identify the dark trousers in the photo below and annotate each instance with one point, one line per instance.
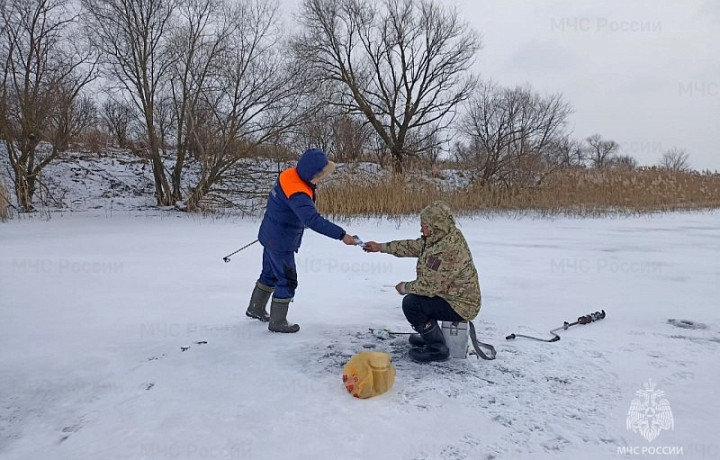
(419, 310)
(278, 271)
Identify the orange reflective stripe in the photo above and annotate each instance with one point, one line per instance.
(291, 183)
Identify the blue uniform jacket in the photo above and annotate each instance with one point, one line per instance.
(286, 218)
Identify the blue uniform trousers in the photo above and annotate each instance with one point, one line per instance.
(279, 272)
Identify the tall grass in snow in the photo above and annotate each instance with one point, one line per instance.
(4, 202)
(581, 192)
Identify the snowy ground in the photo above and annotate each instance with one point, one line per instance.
(95, 313)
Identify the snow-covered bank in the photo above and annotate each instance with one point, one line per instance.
(95, 313)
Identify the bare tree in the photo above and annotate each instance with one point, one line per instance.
(133, 36)
(401, 64)
(46, 65)
(315, 130)
(510, 130)
(344, 137)
(623, 161)
(72, 116)
(118, 118)
(600, 152)
(250, 102)
(199, 42)
(566, 152)
(350, 138)
(675, 159)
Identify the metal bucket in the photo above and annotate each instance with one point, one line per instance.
(456, 337)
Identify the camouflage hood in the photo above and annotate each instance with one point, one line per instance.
(439, 218)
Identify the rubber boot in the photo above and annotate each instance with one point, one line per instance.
(416, 340)
(278, 317)
(435, 348)
(259, 299)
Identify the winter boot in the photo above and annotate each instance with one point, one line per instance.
(278, 316)
(435, 348)
(416, 340)
(259, 299)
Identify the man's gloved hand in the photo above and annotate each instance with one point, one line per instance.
(401, 288)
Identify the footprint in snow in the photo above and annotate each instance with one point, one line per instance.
(155, 358)
(683, 375)
(686, 324)
(69, 430)
(183, 349)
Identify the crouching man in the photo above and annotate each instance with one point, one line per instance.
(447, 286)
(290, 208)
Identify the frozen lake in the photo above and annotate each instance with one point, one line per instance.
(95, 313)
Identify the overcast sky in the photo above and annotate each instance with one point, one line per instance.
(645, 73)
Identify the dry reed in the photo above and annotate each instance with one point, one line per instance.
(579, 192)
(4, 202)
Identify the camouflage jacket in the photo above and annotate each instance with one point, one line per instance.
(445, 267)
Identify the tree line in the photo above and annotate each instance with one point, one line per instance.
(212, 82)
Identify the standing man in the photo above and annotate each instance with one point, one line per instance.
(290, 208)
(447, 286)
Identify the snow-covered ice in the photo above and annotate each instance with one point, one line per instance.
(95, 313)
